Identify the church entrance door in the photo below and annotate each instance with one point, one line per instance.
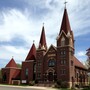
(50, 76)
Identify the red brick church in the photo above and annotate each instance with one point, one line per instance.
(50, 64)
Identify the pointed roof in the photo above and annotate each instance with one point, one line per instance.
(77, 63)
(12, 63)
(65, 26)
(42, 43)
(88, 49)
(51, 46)
(32, 53)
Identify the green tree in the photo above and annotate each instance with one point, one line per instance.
(19, 65)
(0, 74)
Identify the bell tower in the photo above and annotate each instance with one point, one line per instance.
(40, 55)
(65, 51)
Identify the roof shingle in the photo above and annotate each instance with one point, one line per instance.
(77, 63)
(12, 63)
(65, 26)
(32, 53)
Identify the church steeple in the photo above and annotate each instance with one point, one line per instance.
(65, 26)
(65, 31)
(42, 42)
(32, 53)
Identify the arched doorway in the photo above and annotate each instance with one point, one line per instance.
(50, 76)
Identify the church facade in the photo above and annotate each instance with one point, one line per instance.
(50, 64)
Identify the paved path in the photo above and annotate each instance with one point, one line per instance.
(9, 87)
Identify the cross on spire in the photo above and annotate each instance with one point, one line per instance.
(43, 23)
(12, 56)
(65, 3)
(33, 41)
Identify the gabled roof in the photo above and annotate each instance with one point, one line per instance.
(51, 46)
(77, 63)
(42, 43)
(12, 63)
(32, 53)
(65, 26)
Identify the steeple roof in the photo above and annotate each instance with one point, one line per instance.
(42, 43)
(12, 63)
(32, 53)
(65, 26)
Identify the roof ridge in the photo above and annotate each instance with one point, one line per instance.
(32, 53)
(65, 25)
(42, 42)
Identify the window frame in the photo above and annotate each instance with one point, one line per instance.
(51, 62)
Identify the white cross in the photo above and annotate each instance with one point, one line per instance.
(65, 3)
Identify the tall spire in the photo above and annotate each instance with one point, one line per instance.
(65, 26)
(42, 43)
(32, 53)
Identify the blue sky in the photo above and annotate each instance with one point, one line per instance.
(21, 22)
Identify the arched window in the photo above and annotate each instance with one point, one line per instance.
(71, 42)
(26, 72)
(51, 63)
(71, 63)
(35, 68)
(62, 41)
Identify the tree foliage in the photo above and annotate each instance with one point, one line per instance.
(19, 65)
(0, 74)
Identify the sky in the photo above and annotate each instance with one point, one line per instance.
(21, 22)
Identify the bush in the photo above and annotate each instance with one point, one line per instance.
(36, 81)
(61, 84)
(76, 85)
(31, 83)
(64, 84)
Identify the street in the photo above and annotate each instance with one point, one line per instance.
(18, 88)
(6, 87)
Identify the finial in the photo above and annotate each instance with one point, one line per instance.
(65, 3)
(43, 23)
(12, 56)
(33, 41)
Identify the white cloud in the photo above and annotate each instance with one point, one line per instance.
(15, 50)
(17, 23)
(81, 53)
(19, 54)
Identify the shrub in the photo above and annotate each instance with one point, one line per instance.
(31, 83)
(36, 81)
(76, 85)
(64, 84)
(61, 84)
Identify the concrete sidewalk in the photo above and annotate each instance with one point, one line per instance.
(31, 87)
